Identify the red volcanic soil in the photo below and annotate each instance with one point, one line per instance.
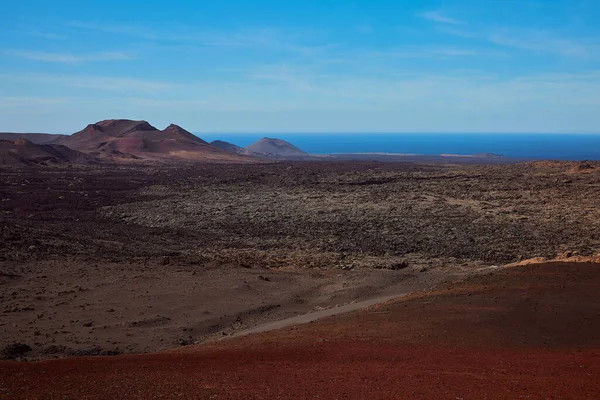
(524, 332)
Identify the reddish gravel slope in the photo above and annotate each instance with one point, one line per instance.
(525, 332)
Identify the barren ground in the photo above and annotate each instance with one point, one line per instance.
(129, 259)
(528, 332)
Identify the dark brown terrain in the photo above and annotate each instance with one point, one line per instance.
(101, 260)
(37, 138)
(144, 258)
(22, 152)
(477, 159)
(227, 146)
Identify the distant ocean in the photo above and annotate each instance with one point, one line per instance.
(535, 146)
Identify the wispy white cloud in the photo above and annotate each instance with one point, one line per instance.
(128, 30)
(544, 42)
(438, 52)
(99, 83)
(458, 31)
(68, 57)
(459, 100)
(437, 16)
(271, 38)
(117, 84)
(10, 102)
(474, 90)
(533, 40)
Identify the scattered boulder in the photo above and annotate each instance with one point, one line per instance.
(567, 254)
(184, 342)
(393, 266)
(14, 351)
(398, 266)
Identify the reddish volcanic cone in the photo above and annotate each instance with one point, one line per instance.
(128, 139)
(275, 147)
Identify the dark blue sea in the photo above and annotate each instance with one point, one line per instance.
(533, 146)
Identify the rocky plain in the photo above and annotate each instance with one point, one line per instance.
(111, 259)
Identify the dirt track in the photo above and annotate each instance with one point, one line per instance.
(524, 332)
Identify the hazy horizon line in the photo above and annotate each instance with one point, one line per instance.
(390, 133)
(346, 132)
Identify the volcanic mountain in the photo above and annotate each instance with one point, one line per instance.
(276, 148)
(25, 152)
(37, 138)
(129, 139)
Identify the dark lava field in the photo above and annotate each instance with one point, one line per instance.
(112, 259)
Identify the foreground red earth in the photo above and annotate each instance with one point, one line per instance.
(524, 332)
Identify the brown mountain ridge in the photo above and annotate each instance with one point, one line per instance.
(138, 140)
(37, 138)
(22, 152)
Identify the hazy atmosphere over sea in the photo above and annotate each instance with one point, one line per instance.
(530, 146)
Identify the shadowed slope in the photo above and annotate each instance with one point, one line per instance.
(24, 152)
(276, 148)
(37, 138)
(228, 146)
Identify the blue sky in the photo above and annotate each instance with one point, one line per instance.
(303, 66)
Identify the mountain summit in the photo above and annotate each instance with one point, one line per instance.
(129, 139)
